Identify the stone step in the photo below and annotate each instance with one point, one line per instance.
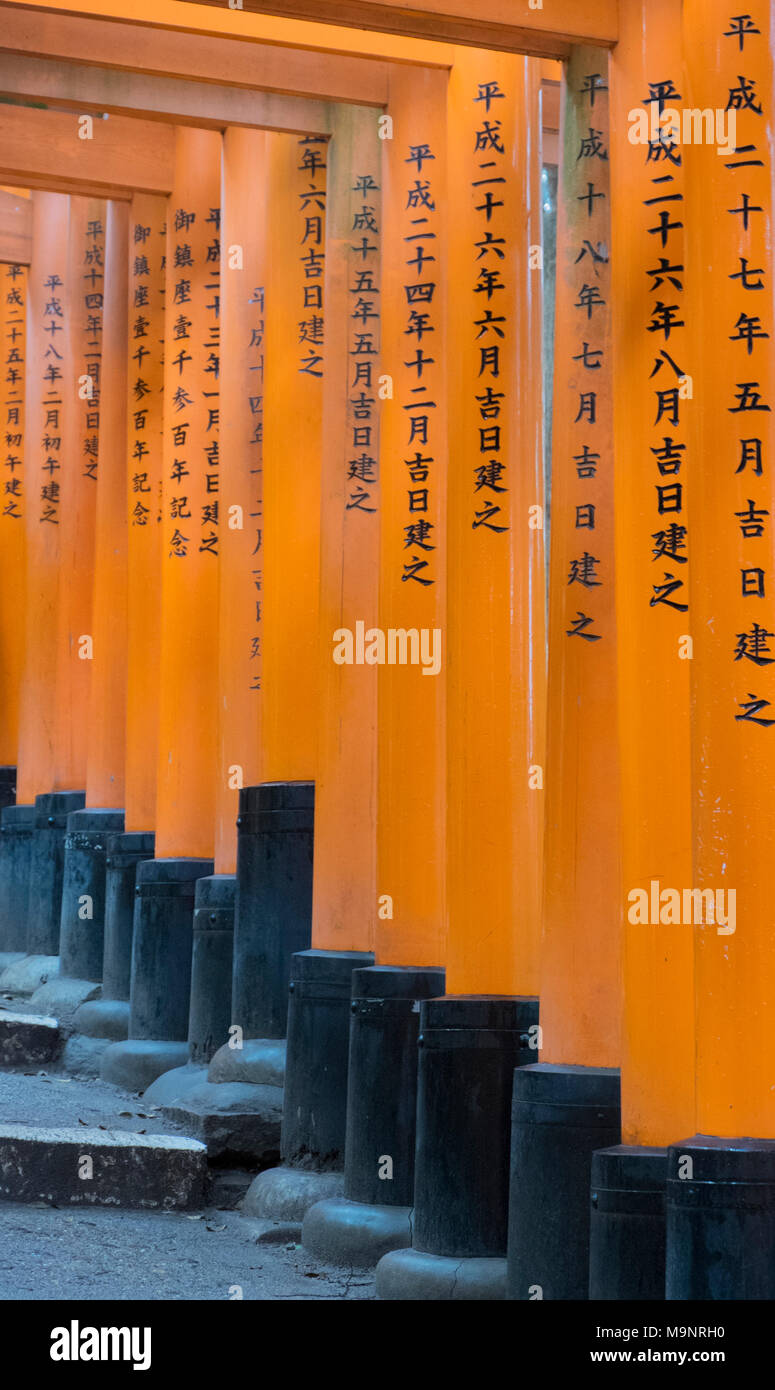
(96, 1167)
(238, 1122)
(28, 1039)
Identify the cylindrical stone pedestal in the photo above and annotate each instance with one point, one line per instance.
(627, 1224)
(315, 1110)
(273, 913)
(124, 852)
(315, 1105)
(560, 1115)
(108, 1017)
(238, 1119)
(16, 827)
(211, 966)
(7, 786)
(82, 928)
(374, 1214)
(720, 1219)
(82, 934)
(161, 973)
(468, 1049)
(47, 863)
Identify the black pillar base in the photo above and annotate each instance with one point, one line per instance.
(47, 863)
(721, 1219)
(315, 1105)
(82, 931)
(124, 852)
(16, 829)
(273, 912)
(315, 1110)
(108, 1017)
(7, 786)
(374, 1216)
(560, 1115)
(468, 1049)
(210, 1007)
(627, 1224)
(161, 973)
(211, 966)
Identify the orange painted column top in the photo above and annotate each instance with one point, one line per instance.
(190, 504)
(243, 277)
(145, 401)
(107, 704)
(13, 540)
(293, 416)
(73, 491)
(580, 971)
(653, 552)
(48, 401)
(496, 656)
(729, 236)
(411, 910)
(345, 862)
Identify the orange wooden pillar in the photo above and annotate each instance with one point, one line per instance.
(274, 854)
(568, 1105)
(243, 275)
(15, 825)
(145, 435)
(161, 962)
(652, 406)
(293, 415)
(490, 667)
(135, 503)
(13, 307)
(46, 408)
(76, 495)
(72, 499)
(724, 1177)
(411, 800)
(344, 883)
(139, 587)
(496, 621)
(51, 406)
(82, 932)
(190, 504)
(107, 710)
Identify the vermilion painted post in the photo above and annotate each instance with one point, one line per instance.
(568, 1104)
(721, 1181)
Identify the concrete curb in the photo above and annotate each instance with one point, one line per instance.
(28, 1039)
(94, 1167)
